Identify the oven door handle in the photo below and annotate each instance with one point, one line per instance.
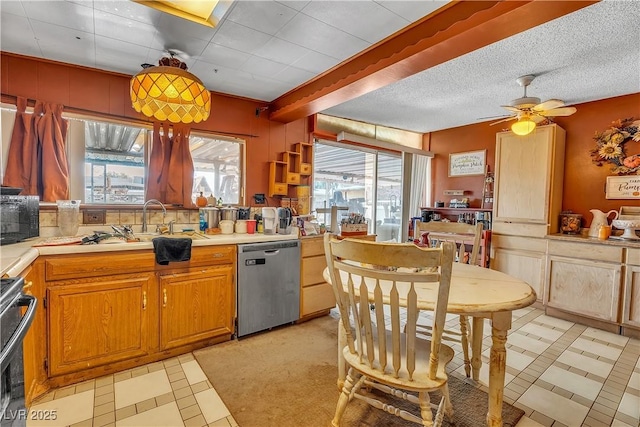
(15, 342)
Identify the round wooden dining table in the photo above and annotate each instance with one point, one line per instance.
(480, 293)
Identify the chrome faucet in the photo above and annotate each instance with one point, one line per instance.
(144, 212)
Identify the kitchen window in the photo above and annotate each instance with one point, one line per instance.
(108, 160)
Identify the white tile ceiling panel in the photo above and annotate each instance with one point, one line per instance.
(12, 7)
(295, 4)
(411, 10)
(564, 54)
(170, 23)
(118, 55)
(223, 56)
(129, 10)
(294, 76)
(262, 67)
(25, 44)
(374, 22)
(65, 44)
(239, 37)
(127, 30)
(63, 13)
(267, 17)
(282, 51)
(321, 37)
(316, 62)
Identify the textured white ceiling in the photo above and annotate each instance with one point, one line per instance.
(263, 49)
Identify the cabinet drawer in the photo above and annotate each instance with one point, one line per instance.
(305, 169)
(209, 255)
(312, 246)
(90, 265)
(280, 189)
(317, 298)
(596, 252)
(633, 256)
(312, 269)
(293, 178)
(520, 243)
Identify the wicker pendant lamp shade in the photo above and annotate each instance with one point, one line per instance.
(170, 92)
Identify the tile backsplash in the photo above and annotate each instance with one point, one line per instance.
(184, 218)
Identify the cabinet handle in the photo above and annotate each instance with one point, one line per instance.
(144, 300)
(27, 285)
(164, 297)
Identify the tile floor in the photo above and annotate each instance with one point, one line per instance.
(560, 373)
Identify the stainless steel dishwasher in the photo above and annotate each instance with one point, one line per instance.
(268, 285)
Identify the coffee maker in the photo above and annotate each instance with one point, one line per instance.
(284, 220)
(270, 220)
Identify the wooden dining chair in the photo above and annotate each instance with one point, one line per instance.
(465, 237)
(367, 275)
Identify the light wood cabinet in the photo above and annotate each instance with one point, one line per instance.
(528, 182)
(585, 279)
(316, 295)
(521, 257)
(102, 317)
(96, 321)
(196, 305)
(631, 293)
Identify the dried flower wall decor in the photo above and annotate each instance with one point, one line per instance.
(611, 147)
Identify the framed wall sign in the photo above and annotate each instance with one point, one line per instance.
(467, 163)
(623, 187)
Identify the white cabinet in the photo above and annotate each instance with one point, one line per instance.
(585, 279)
(521, 257)
(528, 182)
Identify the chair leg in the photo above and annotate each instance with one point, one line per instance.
(343, 399)
(464, 341)
(448, 407)
(425, 409)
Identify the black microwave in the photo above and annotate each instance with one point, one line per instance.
(19, 218)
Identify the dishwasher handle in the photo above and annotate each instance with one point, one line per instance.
(271, 252)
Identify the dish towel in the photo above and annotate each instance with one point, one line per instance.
(171, 250)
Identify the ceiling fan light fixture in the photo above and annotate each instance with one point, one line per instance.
(170, 92)
(524, 126)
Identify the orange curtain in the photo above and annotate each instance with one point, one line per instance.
(22, 158)
(170, 178)
(37, 159)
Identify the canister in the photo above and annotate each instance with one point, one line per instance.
(226, 226)
(212, 216)
(241, 226)
(302, 193)
(229, 212)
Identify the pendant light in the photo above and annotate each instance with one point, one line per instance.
(169, 92)
(524, 125)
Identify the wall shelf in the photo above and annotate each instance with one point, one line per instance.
(295, 168)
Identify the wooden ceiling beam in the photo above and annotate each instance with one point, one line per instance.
(456, 29)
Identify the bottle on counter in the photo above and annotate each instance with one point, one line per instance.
(260, 227)
(203, 220)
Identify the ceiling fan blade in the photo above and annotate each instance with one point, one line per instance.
(563, 111)
(548, 105)
(510, 108)
(537, 118)
(502, 116)
(504, 120)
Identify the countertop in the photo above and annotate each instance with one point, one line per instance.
(16, 257)
(611, 241)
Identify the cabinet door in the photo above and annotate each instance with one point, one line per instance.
(94, 322)
(631, 312)
(584, 287)
(522, 176)
(524, 265)
(196, 305)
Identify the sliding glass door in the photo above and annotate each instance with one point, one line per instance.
(358, 180)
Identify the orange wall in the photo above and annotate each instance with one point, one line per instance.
(103, 93)
(583, 181)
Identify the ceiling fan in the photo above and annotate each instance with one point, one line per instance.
(528, 110)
